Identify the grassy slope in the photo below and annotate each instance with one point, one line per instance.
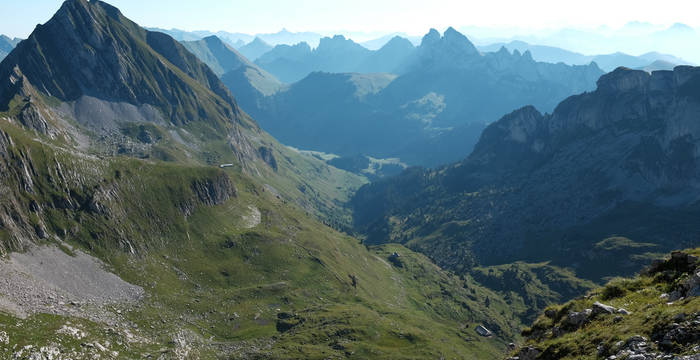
(641, 296)
(225, 284)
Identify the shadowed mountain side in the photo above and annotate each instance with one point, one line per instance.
(618, 161)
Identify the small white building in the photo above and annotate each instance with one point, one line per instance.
(483, 331)
(225, 165)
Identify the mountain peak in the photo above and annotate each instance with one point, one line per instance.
(681, 27)
(432, 37)
(453, 42)
(398, 42)
(339, 42)
(623, 79)
(89, 49)
(85, 7)
(455, 38)
(213, 39)
(341, 37)
(258, 42)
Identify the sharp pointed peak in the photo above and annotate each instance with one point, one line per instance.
(450, 30)
(433, 36)
(213, 39)
(259, 40)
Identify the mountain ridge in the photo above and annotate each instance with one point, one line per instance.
(214, 226)
(626, 148)
(151, 48)
(434, 94)
(607, 62)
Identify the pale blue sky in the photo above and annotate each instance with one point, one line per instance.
(329, 16)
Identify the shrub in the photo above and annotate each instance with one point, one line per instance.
(613, 291)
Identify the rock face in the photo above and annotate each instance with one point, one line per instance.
(91, 49)
(604, 162)
(110, 75)
(683, 332)
(214, 191)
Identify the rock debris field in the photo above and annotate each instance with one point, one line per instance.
(48, 280)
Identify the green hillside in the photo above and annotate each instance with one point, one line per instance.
(134, 224)
(655, 315)
(224, 283)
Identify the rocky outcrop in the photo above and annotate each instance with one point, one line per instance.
(215, 190)
(30, 117)
(667, 334)
(602, 309)
(577, 319)
(527, 353)
(268, 157)
(638, 347)
(683, 331)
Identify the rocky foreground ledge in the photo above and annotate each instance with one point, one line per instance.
(654, 316)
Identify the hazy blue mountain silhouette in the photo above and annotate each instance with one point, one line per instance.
(6, 45)
(607, 62)
(255, 49)
(442, 85)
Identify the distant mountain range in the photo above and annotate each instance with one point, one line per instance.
(617, 162)
(237, 40)
(6, 45)
(378, 43)
(430, 118)
(249, 82)
(442, 85)
(254, 46)
(218, 55)
(254, 49)
(429, 121)
(633, 38)
(335, 55)
(608, 62)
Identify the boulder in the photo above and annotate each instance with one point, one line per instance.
(576, 319)
(550, 313)
(693, 285)
(528, 353)
(675, 295)
(600, 308)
